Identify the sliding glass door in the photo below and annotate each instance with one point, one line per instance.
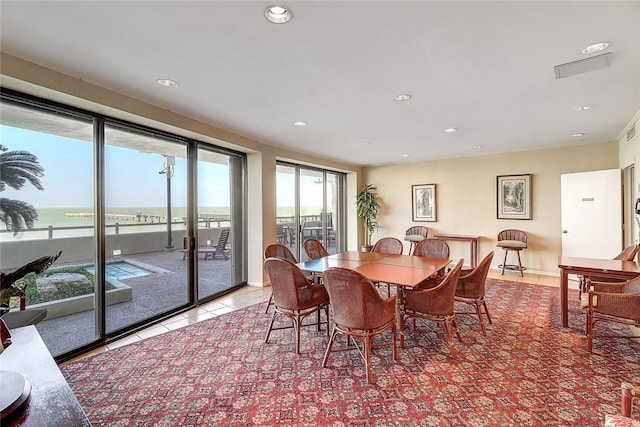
(310, 204)
(145, 200)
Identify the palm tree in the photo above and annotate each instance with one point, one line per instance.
(16, 168)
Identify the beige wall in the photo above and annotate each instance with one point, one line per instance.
(629, 152)
(466, 197)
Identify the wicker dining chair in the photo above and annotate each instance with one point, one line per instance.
(471, 289)
(314, 249)
(611, 302)
(294, 296)
(436, 304)
(277, 250)
(432, 248)
(627, 254)
(388, 245)
(359, 313)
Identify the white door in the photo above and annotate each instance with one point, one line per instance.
(591, 205)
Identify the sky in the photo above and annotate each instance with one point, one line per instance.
(132, 178)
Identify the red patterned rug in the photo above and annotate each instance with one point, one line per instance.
(527, 371)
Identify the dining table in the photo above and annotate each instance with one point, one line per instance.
(402, 271)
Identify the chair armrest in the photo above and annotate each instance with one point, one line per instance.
(606, 287)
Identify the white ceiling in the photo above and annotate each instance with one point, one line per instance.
(485, 68)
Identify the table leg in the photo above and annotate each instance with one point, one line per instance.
(564, 298)
(474, 253)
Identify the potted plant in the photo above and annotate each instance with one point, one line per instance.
(367, 208)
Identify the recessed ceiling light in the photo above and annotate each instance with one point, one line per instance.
(449, 130)
(277, 14)
(477, 147)
(405, 155)
(300, 123)
(366, 144)
(402, 97)
(583, 108)
(168, 83)
(577, 135)
(594, 48)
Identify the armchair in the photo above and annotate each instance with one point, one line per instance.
(471, 289)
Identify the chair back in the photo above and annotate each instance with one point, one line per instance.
(314, 249)
(388, 245)
(222, 240)
(628, 254)
(417, 230)
(355, 302)
(432, 248)
(279, 251)
(291, 288)
(472, 284)
(512, 234)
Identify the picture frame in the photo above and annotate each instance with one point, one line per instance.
(514, 196)
(423, 202)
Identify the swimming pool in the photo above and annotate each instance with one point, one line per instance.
(121, 271)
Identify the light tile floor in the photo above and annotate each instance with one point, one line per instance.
(250, 295)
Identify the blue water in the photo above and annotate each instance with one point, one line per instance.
(121, 271)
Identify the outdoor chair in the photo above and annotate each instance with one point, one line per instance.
(314, 249)
(294, 296)
(471, 289)
(611, 302)
(220, 249)
(414, 235)
(432, 248)
(277, 250)
(359, 313)
(388, 245)
(434, 304)
(628, 254)
(515, 241)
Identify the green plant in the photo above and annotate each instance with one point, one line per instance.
(367, 206)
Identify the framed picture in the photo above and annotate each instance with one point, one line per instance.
(514, 196)
(423, 198)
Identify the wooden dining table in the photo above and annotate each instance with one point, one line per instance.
(406, 271)
(590, 267)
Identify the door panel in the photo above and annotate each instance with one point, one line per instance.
(591, 205)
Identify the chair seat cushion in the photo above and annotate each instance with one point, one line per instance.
(511, 244)
(414, 238)
(620, 421)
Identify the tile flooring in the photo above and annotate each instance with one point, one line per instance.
(250, 295)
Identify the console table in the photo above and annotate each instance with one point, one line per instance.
(51, 403)
(473, 243)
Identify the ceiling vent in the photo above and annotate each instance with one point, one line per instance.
(594, 63)
(631, 133)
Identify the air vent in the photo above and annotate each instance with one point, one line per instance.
(594, 63)
(631, 133)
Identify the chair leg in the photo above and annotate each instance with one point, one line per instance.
(589, 329)
(269, 303)
(520, 264)
(329, 346)
(486, 310)
(297, 322)
(504, 263)
(447, 328)
(273, 318)
(394, 334)
(367, 357)
(480, 319)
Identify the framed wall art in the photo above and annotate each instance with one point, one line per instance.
(514, 196)
(423, 200)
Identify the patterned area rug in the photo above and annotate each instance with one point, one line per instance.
(527, 371)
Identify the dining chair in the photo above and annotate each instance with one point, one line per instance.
(611, 302)
(414, 235)
(629, 392)
(277, 250)
(627, 254)
(432, 248)
(314, 249)
(294, 296)
(471, 289)
(388, 245)
(435, 304)
(359, 313)
(512, 241)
